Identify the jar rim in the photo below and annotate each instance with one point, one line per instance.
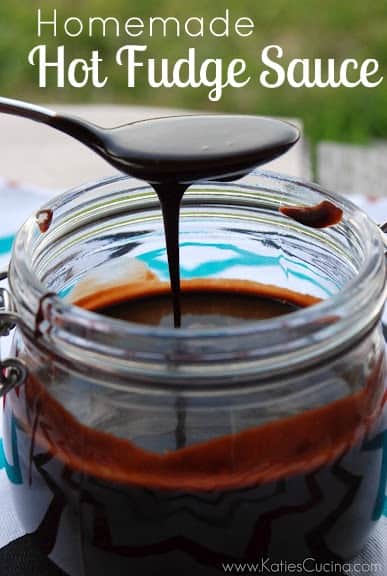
(305, 332)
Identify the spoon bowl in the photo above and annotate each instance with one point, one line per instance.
(180, 149)
(194, 147)
(172, 153)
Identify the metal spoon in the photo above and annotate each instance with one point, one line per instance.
(176, 148)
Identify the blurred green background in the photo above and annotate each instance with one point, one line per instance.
(304, 28)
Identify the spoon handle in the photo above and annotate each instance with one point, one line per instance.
(27, 110)
(85, 132)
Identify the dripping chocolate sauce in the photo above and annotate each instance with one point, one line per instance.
(175, 152)
(180, 151)
(170, 193)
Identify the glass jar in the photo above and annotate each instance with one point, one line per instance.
(149, 450)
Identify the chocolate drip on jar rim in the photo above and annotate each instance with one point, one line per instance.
(321, 215)
(44, 219)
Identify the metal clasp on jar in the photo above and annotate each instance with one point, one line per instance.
(383, 228)
(12, 371)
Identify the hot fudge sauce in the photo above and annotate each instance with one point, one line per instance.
(287, 489)
(263, 484)
(173, 153)
(204, 303)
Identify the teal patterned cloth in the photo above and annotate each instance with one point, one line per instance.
(17, 203)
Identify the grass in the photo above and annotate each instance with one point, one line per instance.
(304, 28)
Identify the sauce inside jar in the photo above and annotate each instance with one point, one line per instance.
(287, 489)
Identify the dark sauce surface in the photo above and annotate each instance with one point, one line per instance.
(206, 309)
(172, 153)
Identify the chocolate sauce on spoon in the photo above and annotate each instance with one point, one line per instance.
(237, 497)
(172, 153)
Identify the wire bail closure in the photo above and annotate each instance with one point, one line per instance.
(12, 371)
(383, 229)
